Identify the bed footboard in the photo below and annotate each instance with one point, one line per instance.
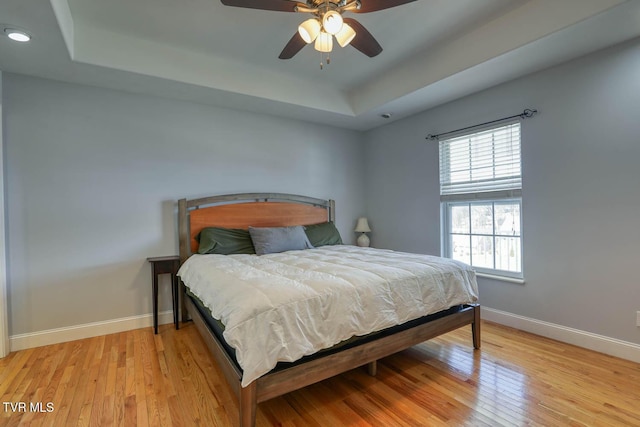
(301, 375)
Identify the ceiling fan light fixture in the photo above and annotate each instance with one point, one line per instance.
(345, 35)
(332, 22)
(309, 30)
(324, 42)
(327, 22)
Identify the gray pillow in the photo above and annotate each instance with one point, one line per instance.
(271, 240)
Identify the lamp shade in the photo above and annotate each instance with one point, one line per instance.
(324, 42)
(332, 22)
(309, 30)
(362, 226)
(345, 35)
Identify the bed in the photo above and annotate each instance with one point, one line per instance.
(302, 364)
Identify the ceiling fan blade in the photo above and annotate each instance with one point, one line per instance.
(363, 41)
(294, 46)
(374, 5)
(277, 5)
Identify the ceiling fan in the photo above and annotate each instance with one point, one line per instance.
(326, 24)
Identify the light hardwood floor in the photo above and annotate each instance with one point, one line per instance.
(136, 378)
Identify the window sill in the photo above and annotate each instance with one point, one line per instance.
(501, 278)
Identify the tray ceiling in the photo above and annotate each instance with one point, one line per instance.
(200, 50)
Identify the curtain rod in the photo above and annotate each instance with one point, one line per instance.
(527, 113)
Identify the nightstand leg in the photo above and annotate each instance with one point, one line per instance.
(176, 300)
(155, 302)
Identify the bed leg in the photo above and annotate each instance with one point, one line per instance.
(183, 303)
(475, 327)
(372, 368)
(248, 404)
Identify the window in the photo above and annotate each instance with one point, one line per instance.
(481, 197)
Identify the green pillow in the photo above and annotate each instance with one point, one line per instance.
(323, 234)
(224, 241)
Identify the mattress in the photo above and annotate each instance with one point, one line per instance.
(217, 328)
(282, 307)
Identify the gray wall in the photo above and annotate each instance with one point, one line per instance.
(581, 189)
(4, 317)
(93, 176)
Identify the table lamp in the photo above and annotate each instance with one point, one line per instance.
(363, 227)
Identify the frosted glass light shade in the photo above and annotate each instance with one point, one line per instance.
(324, 42)
(309, 30)
(362, 226)
(345, 35)
(17, 35)
(332, 22)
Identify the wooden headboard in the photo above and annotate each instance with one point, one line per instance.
(245, 210)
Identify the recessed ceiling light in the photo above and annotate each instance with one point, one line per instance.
(17, 35)
(386, 115)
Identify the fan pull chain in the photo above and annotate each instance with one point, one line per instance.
(328, 61)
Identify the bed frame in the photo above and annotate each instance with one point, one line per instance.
(271, 210)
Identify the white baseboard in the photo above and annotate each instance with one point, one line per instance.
(88, 330)
(600, 343)
(611, 346)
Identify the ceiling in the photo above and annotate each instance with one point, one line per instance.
(202, 51)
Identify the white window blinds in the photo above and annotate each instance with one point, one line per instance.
(487, 161)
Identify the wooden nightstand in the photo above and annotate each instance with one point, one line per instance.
(165, 265)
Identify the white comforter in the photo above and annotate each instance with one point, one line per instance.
(281, 307)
